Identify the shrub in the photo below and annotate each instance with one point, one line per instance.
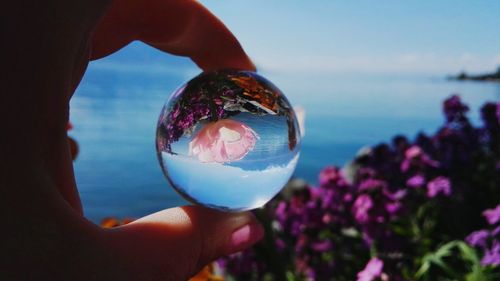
(399, 211)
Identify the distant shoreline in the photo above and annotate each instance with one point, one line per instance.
(489, 77)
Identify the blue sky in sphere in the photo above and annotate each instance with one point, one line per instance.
(416, 37)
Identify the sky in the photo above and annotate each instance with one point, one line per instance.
(388, 36)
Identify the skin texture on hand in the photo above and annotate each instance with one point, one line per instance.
(46, 46)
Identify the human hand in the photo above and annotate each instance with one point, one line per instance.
(45, 53)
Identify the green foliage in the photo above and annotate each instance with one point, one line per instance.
(443, 264)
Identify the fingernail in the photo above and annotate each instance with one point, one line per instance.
(245, 237)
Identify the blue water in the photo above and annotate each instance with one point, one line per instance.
(116, 107)
(227, 187)
(244, 184)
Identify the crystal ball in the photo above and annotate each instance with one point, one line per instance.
(228, 140)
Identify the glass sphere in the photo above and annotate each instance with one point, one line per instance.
(228, 140)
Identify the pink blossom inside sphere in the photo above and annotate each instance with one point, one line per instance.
(228, 140)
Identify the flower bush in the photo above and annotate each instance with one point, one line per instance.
(488, 240)
(425, 209)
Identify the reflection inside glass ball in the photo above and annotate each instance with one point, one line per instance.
(228, 140)
(222, 141)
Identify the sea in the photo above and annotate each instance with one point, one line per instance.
(115, 109)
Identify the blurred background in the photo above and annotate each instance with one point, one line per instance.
(362, 71)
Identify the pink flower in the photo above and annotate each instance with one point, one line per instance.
(439, 185)
(492, 215)
(323, 246)
(223, 141)
(492, 256)
(393, 208)
(413, 152)
(372, 184)
(329, 175)
(373, 269)
(416, 181)
(478, 238)
(415, 156)
(362, 207)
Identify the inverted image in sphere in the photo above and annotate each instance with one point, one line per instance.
(228, 140)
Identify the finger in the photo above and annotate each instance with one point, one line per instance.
(170, 244)
(180, 27)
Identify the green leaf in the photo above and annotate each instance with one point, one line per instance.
(437, 259)
(477, 274)
(468, 253)
(445, 250)
(423, 269)
(290, 276)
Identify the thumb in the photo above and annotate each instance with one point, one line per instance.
(176, 243)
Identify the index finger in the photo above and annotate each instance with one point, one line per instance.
(179, 27)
